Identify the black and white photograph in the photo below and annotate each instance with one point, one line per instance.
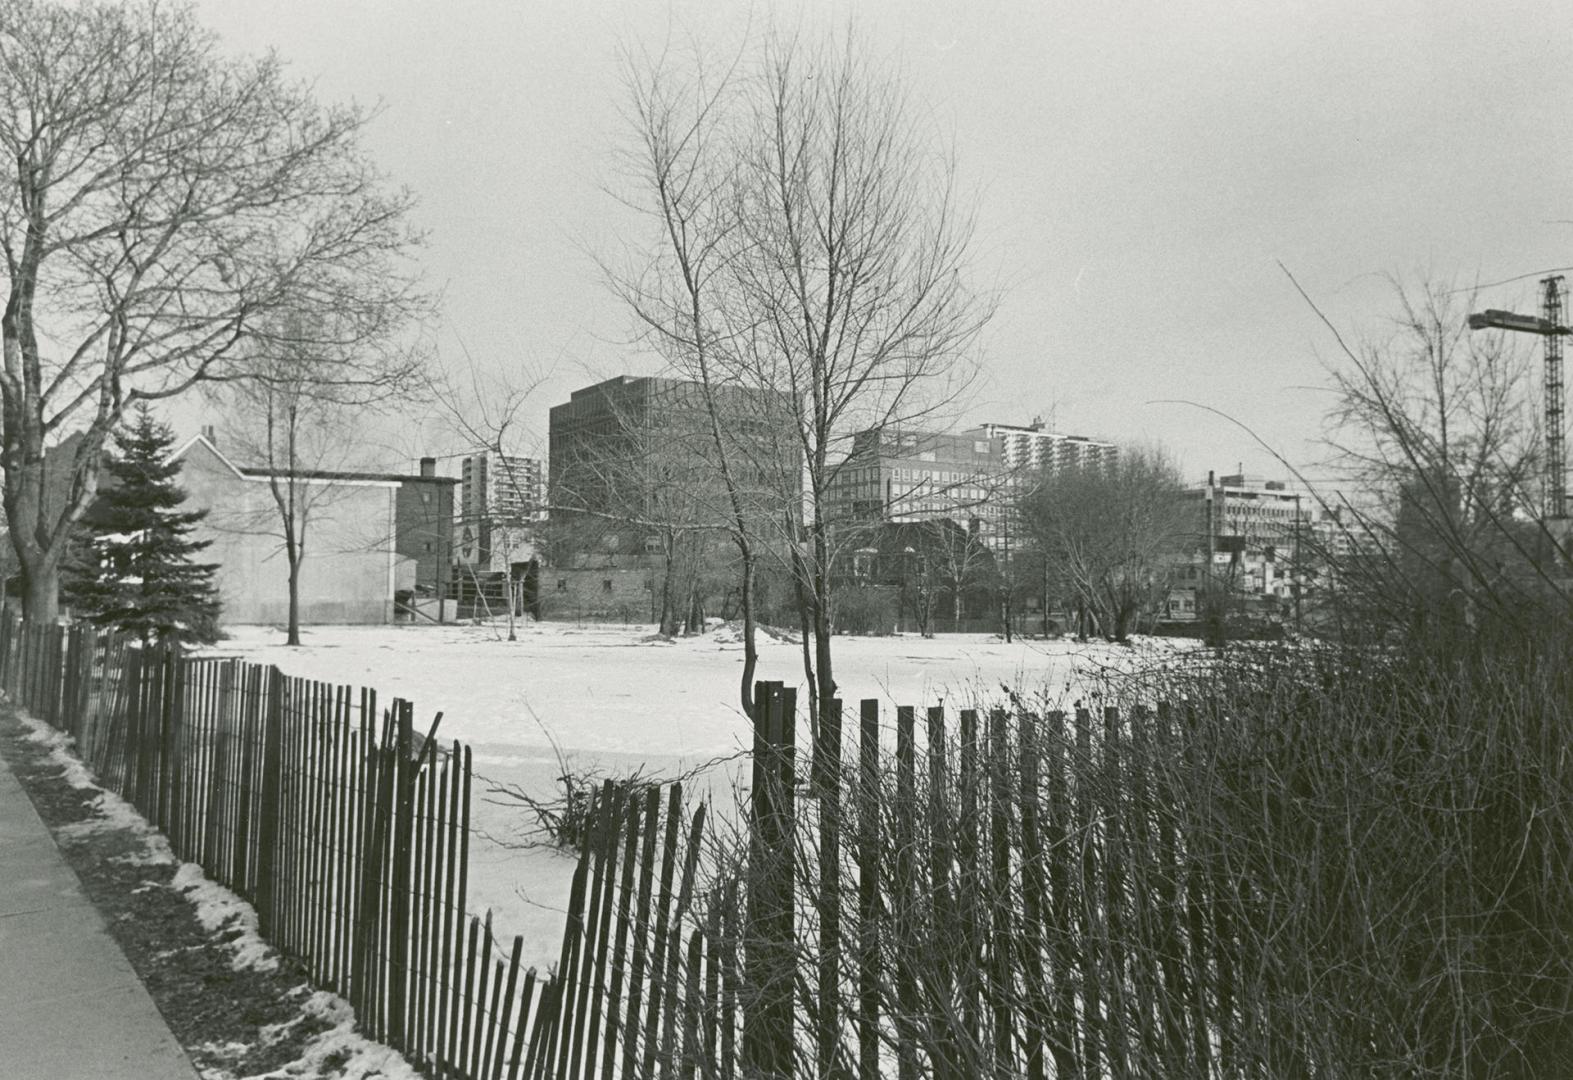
(790, 540)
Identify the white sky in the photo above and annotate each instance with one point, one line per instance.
(1140, 168)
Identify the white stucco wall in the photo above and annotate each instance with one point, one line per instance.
(348, 574)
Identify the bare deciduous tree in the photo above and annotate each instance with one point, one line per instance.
(810, 244)
(1111, 536)
(278, 423)
(299, 414)
(484, 411)
(161, 201)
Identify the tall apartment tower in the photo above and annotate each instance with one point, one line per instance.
(1032, 447)
(906, 475)
(502, 501)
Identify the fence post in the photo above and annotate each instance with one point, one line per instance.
(55, 639)
(245, 763)
(370, 966)
(770, 956)
(175, 751)
(400, 894)
(868, 890)
(1002, 896)
(947, 1064)
(268, 811)
(145, 753)
(827, 757)
(1038, 1024)
(904, 923)
(1085, 824)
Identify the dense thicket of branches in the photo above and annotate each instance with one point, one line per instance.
(1436, 429)
(161, 202)
(1281, 862)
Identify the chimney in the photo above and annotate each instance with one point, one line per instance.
(209, 435)
(428, 466)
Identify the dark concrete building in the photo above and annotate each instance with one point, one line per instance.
(641, 448)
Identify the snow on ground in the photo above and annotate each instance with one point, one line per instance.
(622, 690)
(340, 1051)
(220, 909)
(111, 813)
(618, 699)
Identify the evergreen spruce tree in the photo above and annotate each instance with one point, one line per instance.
(131, 566)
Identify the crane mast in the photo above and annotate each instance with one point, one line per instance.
(1556, 461)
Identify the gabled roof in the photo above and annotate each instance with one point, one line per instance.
(180, 454)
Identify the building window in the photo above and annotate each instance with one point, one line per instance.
(428, 547)
(562, 584)
(606, 584)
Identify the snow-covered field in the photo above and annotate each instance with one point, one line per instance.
(617, 699)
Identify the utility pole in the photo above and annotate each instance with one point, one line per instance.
(1206, 608)
(1299, 572)
(1002, 568)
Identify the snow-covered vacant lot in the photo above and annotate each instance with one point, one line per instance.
(617, 699)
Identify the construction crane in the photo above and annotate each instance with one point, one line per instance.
(1548, 325)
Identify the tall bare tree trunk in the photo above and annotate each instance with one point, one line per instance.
(41, 596)
(823, 675)
(668, 619)
(750, 647)
(293, 632)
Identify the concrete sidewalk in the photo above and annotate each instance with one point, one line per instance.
(71, 1007)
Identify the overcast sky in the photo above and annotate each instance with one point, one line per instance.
(1141, 169)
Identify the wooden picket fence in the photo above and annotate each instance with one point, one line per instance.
(1001, 897)
(990, 893)
(349, 831)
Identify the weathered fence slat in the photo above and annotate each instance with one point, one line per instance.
(868, 816)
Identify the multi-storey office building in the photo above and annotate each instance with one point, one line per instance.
(972, 477)
(633, 447)
(1263, 539)
(1252, 514)
(638, 497)
(903, 475)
